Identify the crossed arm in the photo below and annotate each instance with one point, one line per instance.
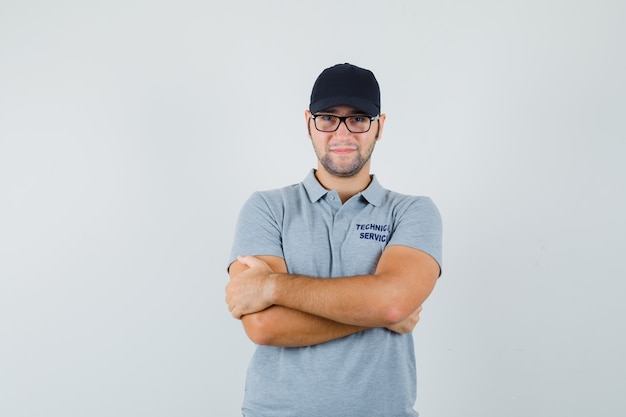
(282, 309)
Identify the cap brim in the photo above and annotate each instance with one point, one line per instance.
(363, 105)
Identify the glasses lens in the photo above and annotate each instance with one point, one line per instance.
(358, 124)
(326, 123)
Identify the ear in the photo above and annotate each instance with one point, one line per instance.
(307, 117)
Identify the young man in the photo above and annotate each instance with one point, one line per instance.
(328, 276)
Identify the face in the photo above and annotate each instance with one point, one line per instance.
(343, 153)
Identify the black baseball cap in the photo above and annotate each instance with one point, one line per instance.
(347, 85)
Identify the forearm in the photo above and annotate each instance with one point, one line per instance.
(285, 327)
(356, 301)
(403, 280)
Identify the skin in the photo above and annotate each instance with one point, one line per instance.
(344, 157)
(281, 309)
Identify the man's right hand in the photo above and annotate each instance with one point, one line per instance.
(250, 291)
(408, 324)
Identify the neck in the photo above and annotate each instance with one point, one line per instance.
(346, 187)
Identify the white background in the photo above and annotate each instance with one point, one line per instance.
(132, 131)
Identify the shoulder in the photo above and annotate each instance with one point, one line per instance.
(403, 203)
(397, 202)
(277, 195)
(274, 200)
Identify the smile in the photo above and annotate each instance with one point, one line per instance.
(342, 151)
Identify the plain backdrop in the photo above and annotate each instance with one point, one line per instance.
(131, 132)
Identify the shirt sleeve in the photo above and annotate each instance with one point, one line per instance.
(419, 226)
(258, 230)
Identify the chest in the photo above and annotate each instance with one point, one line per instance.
(333, 240)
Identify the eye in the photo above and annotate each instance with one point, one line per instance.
(326, 117)
(358, 119)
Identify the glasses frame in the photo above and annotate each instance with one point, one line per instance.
(342, 119)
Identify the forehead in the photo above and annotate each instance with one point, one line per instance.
(342, 110)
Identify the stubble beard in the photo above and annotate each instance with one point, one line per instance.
(350, 170)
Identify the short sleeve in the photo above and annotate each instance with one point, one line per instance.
(258, 229)
(418, 225)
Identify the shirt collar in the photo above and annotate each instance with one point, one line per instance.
(374, 192)
(313, 188)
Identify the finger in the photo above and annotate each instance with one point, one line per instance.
(251, 261)
(246, 260)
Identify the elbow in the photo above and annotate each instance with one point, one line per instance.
(393, 314)
(396, 306)
(256, 328)
(396, 309)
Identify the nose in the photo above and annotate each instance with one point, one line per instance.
(342, 130)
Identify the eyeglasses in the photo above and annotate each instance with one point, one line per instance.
(355, 124)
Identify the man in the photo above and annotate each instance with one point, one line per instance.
(328, 276)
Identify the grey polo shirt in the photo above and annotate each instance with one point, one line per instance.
(371, 373)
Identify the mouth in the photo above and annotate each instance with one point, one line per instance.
(342, 151)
